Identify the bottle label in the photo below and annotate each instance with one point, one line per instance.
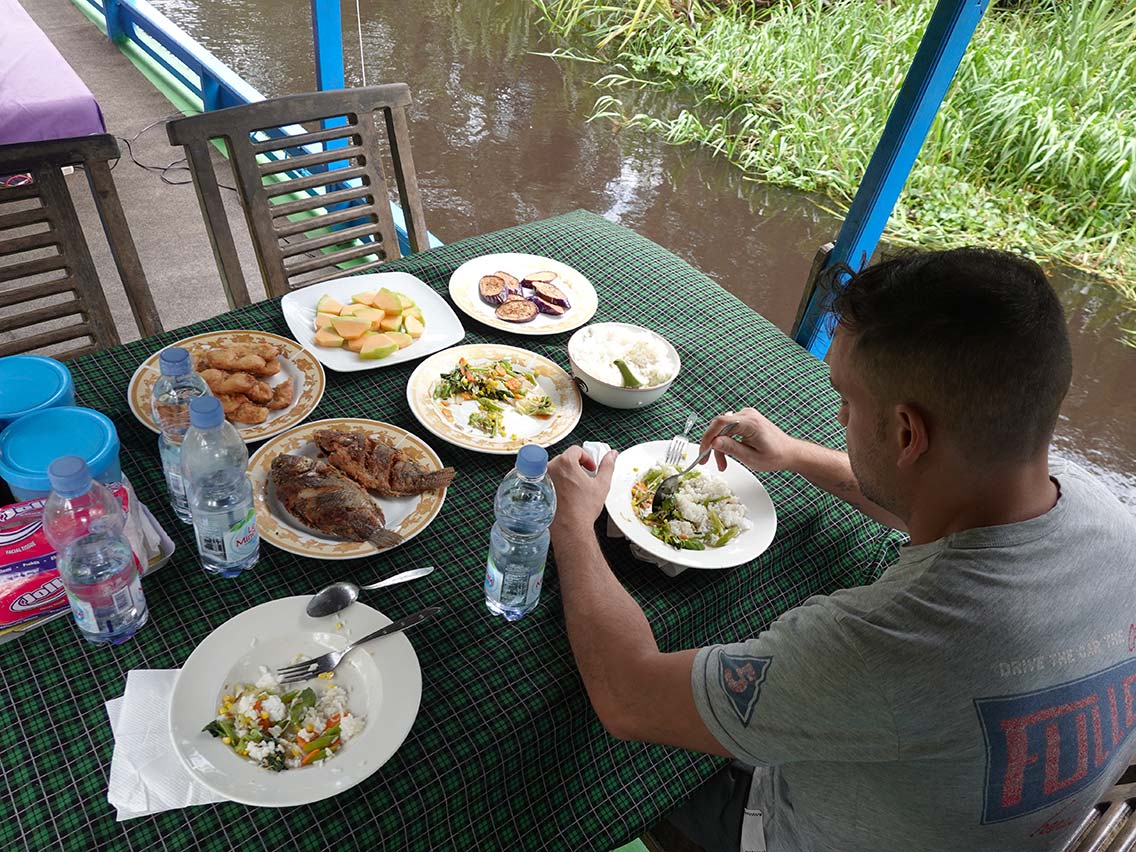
(177, 491)
(514, 590)
(229, 545)
(108, 608)
(84, 614)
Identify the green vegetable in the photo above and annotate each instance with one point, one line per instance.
(323, 741)
(301, 705)
(221, 728)
(629, 380)
(275, 761)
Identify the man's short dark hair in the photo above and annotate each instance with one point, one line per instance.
(975, 338)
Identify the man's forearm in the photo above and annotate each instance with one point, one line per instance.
(606, 628)
(830, 469)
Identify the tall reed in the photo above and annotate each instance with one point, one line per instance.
(1033, 150)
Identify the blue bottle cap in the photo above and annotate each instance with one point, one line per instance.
(532, 460)
(174, 361)
(205, 412)
(32, 443)
(31, 382)
(69, 476)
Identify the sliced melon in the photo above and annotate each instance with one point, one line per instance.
(403, 340)
(416, 312)
(357, 344)
(328, 305)
(323, 321)
(391, 323)
(373, 315)
(388, 302)
(377, 346)
(367, 298)
(328, 337)
(414, 327)
(407, 302)
(350, 327)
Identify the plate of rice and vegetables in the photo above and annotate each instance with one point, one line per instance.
(713, 520)
(240, 733)
(494, 399)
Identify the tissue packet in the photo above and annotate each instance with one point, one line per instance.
(30, 586)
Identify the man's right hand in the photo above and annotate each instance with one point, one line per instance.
(761, 447)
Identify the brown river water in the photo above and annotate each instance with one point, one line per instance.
(501, 137)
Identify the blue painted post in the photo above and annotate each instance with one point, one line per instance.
(949, 32)
(113, 21)
(327, 41)
(211, 95)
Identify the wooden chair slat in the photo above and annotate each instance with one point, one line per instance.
(335, 238)
(22, 218)
(315, 202)
(284, 143)
(50, 338)
(20, 295)
(332, 259)
(28, 268)
(28, 242)
(38, 315)
(305, 161)
(314, 181)
(339, 273)
(311, 223)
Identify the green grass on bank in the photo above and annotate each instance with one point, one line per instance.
(1034, 148)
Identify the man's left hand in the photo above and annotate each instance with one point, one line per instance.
(579, 495)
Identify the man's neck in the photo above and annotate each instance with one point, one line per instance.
(962, 501)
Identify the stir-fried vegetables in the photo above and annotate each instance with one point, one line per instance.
(283, 730)
(701, 513)
(494, 386)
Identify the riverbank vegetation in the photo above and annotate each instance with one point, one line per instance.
(1033, 150)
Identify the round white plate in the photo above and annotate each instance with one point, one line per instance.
(579, 290)
(297, 364)
(408, 516)
(450, 422)
(633, 463)
(443, 328)
(383, 682)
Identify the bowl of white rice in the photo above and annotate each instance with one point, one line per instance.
(649, 357)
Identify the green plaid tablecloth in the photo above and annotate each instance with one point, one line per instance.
(506, 752)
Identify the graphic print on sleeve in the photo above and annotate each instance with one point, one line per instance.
(1044, 746)
(742, 677)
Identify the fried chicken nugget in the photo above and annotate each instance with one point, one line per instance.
(281, 396)
(231, 359)
(234, 383)
(239, 409)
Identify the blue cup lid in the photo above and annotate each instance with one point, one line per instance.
(69, 476)
(205, 412)
(30, 382)
(532, 460)
(174, 361)
(29, 445)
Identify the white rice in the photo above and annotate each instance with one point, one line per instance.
(694, 517)
(645, 353)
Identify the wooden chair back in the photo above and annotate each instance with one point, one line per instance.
(297, 239)
(50, 294)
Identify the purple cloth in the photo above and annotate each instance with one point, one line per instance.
(41, 96)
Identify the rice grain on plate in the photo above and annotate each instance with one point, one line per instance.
(598, 347)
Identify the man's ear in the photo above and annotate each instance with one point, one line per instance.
(912, 434)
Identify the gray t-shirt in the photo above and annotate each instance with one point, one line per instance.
(980, 695)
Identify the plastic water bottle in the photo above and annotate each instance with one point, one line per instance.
(169, 403)
(213, 462)
(84, 522)
(518, 544)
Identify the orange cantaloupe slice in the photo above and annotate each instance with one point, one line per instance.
(403, 340)
(328, 305)
(414, 327)
(388, 302)
(391, 323)
(328, 337)
(366, 298)
(350, 328)
(323, 321)
(377, 346)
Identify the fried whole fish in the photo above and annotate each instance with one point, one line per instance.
(378, 466)
(326, 500)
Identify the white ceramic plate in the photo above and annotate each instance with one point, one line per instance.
(633, 463)
(408, 516)
(383, 682)
(297, 364)
(450, 422)
(443, 328)
(579, 290)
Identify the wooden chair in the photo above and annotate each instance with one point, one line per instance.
(293, 243)
(44, 256)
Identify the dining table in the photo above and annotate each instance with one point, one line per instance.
(505, 752)
(41, 96)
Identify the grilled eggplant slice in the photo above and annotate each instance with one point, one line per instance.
(511, 282)
(545, 277)
(517, 310)
(550, 293)
(492, 289)
(546, 307)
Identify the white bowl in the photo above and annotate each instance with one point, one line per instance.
(617, 396)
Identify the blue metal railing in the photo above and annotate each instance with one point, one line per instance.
(203, 75)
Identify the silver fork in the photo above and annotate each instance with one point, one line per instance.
(678, 443)
(326, 663)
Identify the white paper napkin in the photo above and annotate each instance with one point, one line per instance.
(597, 450)
(146, 776)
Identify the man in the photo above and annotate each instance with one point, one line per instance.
(982, 693)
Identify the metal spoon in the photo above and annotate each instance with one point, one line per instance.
(341, 595)
(669, 485)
